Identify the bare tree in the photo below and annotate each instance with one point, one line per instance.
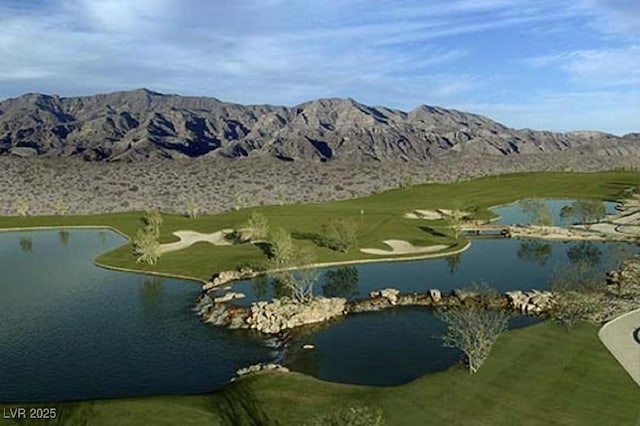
(299, 275)
(22, 206)
(578, 293)
(61, 207)
(473, 328)
(193, 208)
(585, 212)
(240, 201)
(146, 246)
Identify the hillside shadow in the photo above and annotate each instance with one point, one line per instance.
(237, 405)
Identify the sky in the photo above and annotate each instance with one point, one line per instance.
(558, 65)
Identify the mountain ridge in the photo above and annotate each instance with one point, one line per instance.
(140, 124)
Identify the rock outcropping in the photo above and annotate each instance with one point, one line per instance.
(284, 314)
(530, 302)
(260, 367)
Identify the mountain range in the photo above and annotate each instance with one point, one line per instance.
(139, 124)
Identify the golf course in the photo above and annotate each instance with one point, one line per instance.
(544, 373)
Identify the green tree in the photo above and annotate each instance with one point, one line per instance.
(339, 234)
(153, 220)
(455, 220)
(258, 226)
(281, 247)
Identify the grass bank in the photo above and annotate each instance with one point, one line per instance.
(381, 219)
(540, 375)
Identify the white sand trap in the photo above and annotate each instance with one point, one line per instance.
(189, 238)
(403, 247)
(424, 214)
(447, 212)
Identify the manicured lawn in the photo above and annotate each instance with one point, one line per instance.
(382, 219)
(540, 375)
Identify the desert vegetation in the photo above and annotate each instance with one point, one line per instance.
(97, 187)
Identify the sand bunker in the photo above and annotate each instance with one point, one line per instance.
(434, 214)
(188, 238)
(424, 214)
(399, 247)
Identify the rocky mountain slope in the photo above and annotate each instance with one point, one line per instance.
(143, 124)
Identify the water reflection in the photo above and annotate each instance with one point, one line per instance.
(535, 252)
(341, 282)
(585, 252)
(453, 262)
(63, 236)
(151, 292)
(26, 244)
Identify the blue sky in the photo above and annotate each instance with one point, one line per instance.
(558, 65)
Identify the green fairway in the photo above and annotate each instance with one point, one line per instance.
(540, 375)
(382, 219)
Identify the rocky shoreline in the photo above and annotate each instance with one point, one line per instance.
(284, 314)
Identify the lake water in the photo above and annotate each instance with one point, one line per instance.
(71, 330)
(513, 214)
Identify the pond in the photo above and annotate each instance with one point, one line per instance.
(512, 214)
(504, 264)
(71, 330)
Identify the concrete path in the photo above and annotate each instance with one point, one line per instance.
(618, 336)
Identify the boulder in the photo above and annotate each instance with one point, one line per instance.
(283, 314)
(261, 367)
(436, 295)
(228, 276)
(391, 294)
(228, 297)
(308, 346)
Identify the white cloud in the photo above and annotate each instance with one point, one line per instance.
(604, 67)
